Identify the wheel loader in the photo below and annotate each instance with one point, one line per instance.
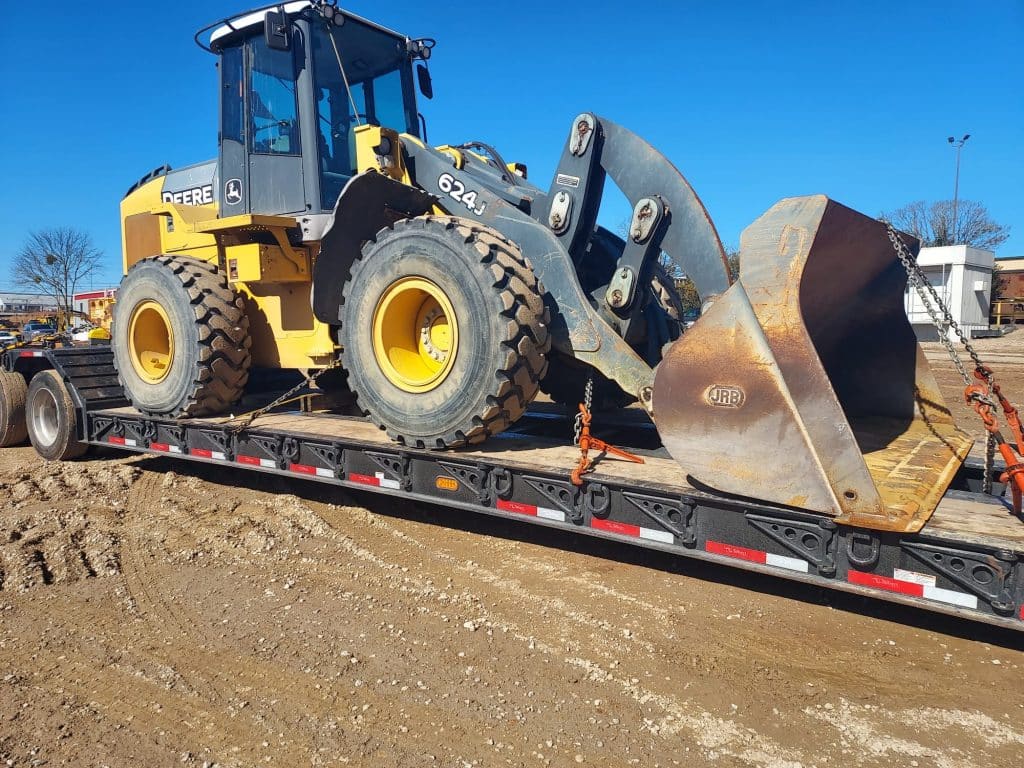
(445, 290)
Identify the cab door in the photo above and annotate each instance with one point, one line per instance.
(260, 146)
(232, 181)
(275, 177)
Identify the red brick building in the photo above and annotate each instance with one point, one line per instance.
(1011, 271)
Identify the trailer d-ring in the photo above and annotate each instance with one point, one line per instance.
(874, 544)
(597, 499)
(501, 482)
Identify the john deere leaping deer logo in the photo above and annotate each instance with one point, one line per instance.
(233, 191)
(724, 396)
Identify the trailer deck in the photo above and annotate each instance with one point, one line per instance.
(968, 560)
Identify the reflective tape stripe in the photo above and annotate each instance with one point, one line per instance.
(757, 556)
(912, 589)
(886, 583)
(29, 353)
(165, 448)
(202, 453)
(913, 577)
(529, 509)
(363, 479)
(254, 461)
(737, 553)
(306, 469)
(624, 529)
(378, 480)
(665, 537)
(789, 563)
(636, 531)
(951, 596)
(122, 441)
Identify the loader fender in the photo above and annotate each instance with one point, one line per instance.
(369, 202)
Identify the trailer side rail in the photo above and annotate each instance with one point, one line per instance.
(942, 570)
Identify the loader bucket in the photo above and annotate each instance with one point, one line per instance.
(803, 384)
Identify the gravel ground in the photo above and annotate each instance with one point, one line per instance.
(155, 613)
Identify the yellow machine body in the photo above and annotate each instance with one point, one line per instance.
(275, 278)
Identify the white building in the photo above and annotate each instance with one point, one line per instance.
(12, 303)
(962, 276)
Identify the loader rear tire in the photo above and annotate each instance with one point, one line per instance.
(13, 390)
(52, 419)
(180, 338)
(444, 332)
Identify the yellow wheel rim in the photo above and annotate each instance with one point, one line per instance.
(150, 342)
(415, 334)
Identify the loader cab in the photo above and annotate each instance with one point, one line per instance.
(289, 106)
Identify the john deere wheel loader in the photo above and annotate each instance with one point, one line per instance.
(450, 289)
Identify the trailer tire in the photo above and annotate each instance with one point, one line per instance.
(180, 338)
(51, 418)
(13, 390)
(444, 332)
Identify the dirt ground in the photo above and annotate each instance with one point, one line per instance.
(155, 613)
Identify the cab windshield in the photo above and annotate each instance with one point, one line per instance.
(379, 75)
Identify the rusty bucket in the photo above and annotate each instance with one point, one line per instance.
(804, 385)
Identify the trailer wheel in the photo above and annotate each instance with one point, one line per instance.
(12, 409)
(51, 418)
(444, 332)
(180, 338)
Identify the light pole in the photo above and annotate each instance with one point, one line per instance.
(956, 184)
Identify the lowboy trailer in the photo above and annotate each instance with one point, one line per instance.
(967, 560)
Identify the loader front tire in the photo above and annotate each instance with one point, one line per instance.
(444, 332)
(180, 338)
(13, 390)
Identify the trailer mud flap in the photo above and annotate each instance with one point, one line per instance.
(804, 385)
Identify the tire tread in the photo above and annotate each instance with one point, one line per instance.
(224, 356)
(526, 340)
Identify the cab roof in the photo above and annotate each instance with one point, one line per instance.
(232, 25)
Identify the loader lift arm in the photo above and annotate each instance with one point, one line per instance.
(553, 230)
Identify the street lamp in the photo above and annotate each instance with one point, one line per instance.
(956, 184)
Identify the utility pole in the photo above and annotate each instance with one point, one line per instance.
(956, 184)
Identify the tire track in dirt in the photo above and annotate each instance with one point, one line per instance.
(216, 669)
(717, 736)
(260, 619)
(712, 732)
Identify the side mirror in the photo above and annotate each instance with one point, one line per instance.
(277, 30)
(426, 85)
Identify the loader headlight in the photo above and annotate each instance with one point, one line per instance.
(333, 14)
(421, 48)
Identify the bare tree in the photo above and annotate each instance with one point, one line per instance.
(933, 224)
(691, 300)
(55, 261)
(684, 285)
(1000, 283)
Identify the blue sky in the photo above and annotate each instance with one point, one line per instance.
(752, 101)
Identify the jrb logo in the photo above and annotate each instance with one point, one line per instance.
(723, 396)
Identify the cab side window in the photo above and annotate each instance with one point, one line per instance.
(231, 101)
(273, 109)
